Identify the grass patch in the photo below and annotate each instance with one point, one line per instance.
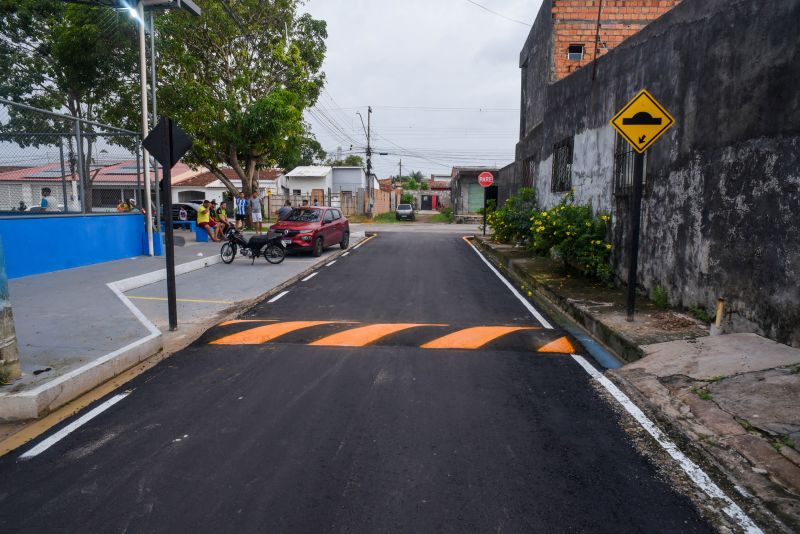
(744, 423)
(700, 314)
(719, 378)
(385, 218)
(660, 296)
(702, 393)
(783, 441)
(442, 218)
(5, 374)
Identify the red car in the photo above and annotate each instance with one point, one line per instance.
(313, 229)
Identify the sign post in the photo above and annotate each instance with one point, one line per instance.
(167, 143)
(640, 122)
(485, 179)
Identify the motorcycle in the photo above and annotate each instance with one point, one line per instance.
(272, 248)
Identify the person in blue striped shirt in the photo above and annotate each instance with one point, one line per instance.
(241, 210)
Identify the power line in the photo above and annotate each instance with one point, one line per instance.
(499, 14)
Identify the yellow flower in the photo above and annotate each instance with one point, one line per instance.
(544, 214)
(604, 217)
(530, 294)
(588, 224)
(608, 247)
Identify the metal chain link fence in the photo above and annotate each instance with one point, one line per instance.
(52, 163)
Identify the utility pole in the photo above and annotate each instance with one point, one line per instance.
(400, 172)
(9, 355)
(369, 160)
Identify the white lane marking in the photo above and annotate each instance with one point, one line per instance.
(355, 247)
(523, 300)
(330, 263)
(346, 253)
(694, 472)
(64, 432)
(276, 297)
(309, 277)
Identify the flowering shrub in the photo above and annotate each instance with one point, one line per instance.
(511, 223)
(576, 234)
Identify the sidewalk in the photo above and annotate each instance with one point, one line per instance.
(733, 400)
(74, 331)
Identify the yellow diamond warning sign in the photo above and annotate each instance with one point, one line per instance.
(642, 121)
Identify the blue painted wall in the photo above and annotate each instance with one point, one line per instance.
(35, 245)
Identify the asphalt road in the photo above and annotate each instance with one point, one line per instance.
(401, 389)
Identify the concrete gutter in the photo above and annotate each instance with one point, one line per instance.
(608, 340)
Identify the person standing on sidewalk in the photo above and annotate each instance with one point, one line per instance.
(241, 210)
(255, 205)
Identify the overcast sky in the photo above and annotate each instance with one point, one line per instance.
(411, 59)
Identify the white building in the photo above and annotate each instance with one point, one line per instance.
(206, 186)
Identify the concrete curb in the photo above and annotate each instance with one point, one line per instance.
(613, 341)
(33, 403)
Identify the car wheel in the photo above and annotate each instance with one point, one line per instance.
(345, 241)
(318, 247)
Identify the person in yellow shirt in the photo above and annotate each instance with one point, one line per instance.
(204, 219)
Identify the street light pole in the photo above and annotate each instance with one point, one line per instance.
(155, 110)
(143, 77)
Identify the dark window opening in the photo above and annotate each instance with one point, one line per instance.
(562, 166)
(575, 52)
(624, 156)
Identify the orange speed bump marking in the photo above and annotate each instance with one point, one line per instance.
(473, 338)
(561, 344)
(364, 335)
(262, 334)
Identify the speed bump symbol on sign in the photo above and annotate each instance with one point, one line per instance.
(642, 121)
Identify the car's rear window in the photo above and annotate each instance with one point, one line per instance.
(301, 215)
(404, 207)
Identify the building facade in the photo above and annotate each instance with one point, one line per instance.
(721, 207)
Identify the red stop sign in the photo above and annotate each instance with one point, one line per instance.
(485, 179)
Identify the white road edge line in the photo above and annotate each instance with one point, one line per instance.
(330, 263)
(523, 300)
(346, 253)
(276, 297)
(309, 277)
(694, 471)
(67, 430)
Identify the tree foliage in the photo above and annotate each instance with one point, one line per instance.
(353, 160)
(239, 87)
(59, 56)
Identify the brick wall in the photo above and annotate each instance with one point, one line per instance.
(575, 23)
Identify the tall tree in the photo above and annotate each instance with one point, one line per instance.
(64, 57)
(238, 78)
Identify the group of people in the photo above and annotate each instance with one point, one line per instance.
(212, 219)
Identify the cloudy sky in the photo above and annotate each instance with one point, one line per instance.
(442, 78)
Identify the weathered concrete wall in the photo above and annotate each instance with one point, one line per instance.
(721, 213)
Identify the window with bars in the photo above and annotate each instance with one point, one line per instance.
(624, 156)
(562, 166)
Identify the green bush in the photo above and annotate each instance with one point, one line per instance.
(447, 215)
(576, 235)
(660, 297)
(406, 198)
(511, 223)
